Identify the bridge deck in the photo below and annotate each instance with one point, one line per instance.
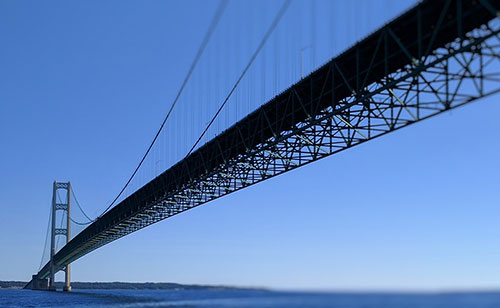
(408, 70)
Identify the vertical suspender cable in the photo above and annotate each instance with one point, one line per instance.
(204, 43)
(280, 14)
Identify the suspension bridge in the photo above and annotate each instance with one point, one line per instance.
(436, 56)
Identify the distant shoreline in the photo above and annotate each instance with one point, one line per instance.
(127, 286)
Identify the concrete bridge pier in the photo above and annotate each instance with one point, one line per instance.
(67, 280)
(39, 284)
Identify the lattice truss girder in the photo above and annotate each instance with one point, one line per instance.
(446, 78)
(433, 80)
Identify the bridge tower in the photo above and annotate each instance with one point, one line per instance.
(65, 206)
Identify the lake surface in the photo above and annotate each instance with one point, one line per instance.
(241, 299)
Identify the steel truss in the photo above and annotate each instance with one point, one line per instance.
(432, 79)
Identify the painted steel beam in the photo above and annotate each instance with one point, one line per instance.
(437, 56)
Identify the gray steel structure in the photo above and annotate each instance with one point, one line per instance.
(65, 206)
(439, 55)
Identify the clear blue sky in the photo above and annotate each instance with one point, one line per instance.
(85, 84)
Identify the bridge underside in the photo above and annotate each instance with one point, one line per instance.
(437, 56)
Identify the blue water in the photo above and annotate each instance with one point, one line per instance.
(241, 299)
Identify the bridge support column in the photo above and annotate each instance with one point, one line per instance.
(67, 271)
(52, 286)
(67, 276)
(39, 284)
(65, 206)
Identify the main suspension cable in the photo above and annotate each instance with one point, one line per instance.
(46, 238)
(204, 43)
(80, 223)
(280, 14)
(81, 209)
